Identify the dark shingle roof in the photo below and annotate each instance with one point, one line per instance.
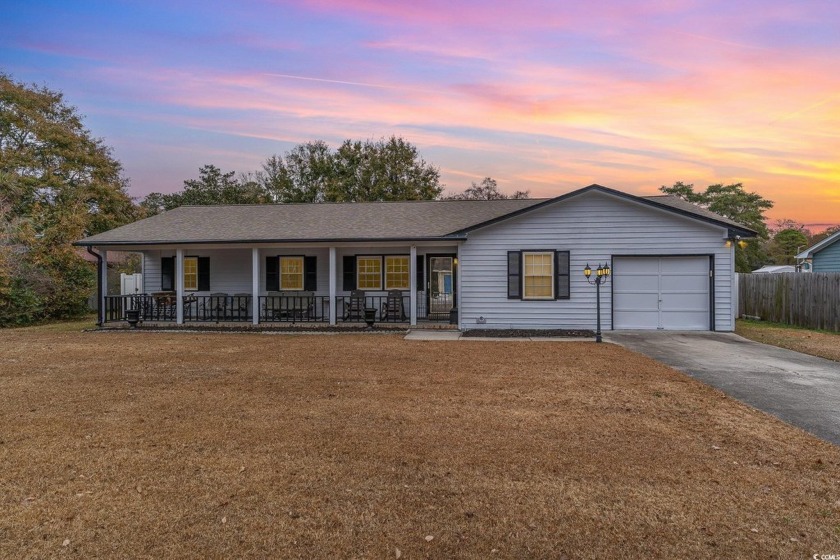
(374, 221)
(310, 222)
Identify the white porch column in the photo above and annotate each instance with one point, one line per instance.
(179, 286)
(333, 301)
(412, 285)
(103, 275)
(255, 286)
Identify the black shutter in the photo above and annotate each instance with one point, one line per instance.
(167, 274)
(419, 276)
(514, 275)
(272, 274)
(561, 278)
(204, 274)
(310, 274)
(349, 266)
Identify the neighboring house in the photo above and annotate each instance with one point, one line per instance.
(485, 264)
(775, 269)
(824, 256)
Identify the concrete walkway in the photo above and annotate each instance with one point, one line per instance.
(800, 389)
(432, 334)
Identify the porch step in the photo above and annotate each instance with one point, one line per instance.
(433, 326)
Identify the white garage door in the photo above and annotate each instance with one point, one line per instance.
(670, 293)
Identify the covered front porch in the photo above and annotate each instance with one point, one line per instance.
(336, 285)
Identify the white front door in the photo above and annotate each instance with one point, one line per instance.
(669, 293)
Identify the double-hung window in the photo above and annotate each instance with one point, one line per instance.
(191, 274)
(195, 274)
(396, 272)
(369, 273)
(291, 273)
(538, 275)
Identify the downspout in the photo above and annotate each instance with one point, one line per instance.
(100, 306)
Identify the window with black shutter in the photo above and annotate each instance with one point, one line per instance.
(539, 275)
(562, 288)
(272, 274)
(167, 274)
(514, 275)
(310, 272)
(204, 274)
(349, 266)
(420, 278)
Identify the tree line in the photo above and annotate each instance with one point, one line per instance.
(357, 171)
(59, 183)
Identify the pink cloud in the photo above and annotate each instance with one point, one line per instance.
(688, 121)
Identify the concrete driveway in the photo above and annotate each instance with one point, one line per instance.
(800, 389)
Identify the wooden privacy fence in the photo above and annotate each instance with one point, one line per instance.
(801, 299)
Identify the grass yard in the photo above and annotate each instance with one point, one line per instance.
(817, 343)
(177, 445)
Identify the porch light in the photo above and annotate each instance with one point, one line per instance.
(729, 241)
(602, 275)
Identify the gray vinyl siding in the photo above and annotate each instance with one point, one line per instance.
(594, 227)
(151, 271)
(827, 260)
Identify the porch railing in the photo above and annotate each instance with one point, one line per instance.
(277, 309)
(218, 308)
(434, 308)
(163, 308)
(386, 309)
(294, 309)
(151, 308)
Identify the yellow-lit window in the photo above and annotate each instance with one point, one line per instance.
(538, 277)
(396, 273)
(369, 273)
(291, 273)
(191, 273)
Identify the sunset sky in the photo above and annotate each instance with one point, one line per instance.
(542, 95)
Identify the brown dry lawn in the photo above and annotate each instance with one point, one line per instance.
(177, 445)
(817, 343)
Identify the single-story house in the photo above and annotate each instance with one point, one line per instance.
(481, 264)
(823, 256)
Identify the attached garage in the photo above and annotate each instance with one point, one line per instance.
(663, 292)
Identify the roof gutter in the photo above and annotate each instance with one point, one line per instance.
(86, 243)
(100, 305)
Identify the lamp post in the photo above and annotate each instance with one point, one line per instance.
(602, 274)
